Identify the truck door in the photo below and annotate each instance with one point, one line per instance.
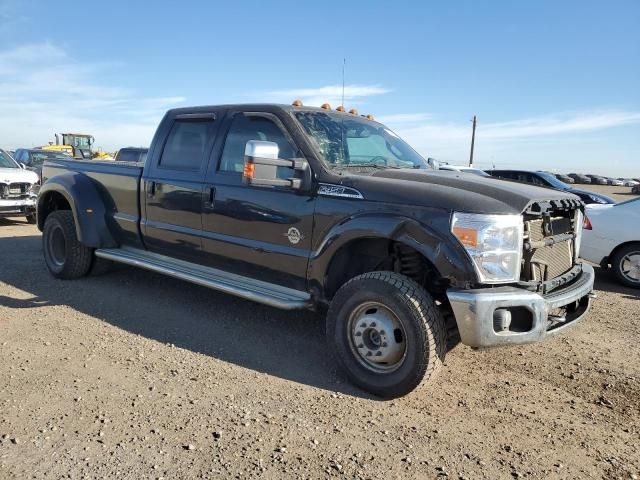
(173, 186)
(260, 232)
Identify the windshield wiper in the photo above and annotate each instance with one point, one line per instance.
(365, 165)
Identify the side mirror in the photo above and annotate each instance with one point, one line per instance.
(261, 164)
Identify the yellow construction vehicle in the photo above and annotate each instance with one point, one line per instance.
(76, 145)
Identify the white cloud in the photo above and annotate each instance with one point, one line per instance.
(43, 90)
(332, 94)
(555, 142)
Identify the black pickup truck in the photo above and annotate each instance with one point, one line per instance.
(312, 208)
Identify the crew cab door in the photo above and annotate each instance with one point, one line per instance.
(173, 185)
(260, 232)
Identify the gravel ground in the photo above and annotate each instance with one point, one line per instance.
(135, 375)
(619, 194)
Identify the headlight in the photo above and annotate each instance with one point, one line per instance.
(579, 224)
(494, 242)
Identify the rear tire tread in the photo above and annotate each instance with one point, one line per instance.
(78, 257)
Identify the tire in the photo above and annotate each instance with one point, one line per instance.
(64, 255)
(625, 264)
(31, 218)
(357, 322)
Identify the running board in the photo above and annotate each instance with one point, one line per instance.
(244, 287)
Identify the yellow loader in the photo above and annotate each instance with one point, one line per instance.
(76, 145)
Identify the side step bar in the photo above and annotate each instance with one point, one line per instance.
(248, 288)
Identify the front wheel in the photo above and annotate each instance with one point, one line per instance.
(386, 332)
(626, 265)
(64, 255)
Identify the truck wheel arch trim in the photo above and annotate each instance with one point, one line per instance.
(445, 258)
(77, 189)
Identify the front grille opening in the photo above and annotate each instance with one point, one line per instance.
(512, 320)
(14, 190)
(548, 250)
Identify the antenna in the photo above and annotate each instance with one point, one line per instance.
(473, 141)
(344, 64)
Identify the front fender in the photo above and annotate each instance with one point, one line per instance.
(433, 241)
(88, 208)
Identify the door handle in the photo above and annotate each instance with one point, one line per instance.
(151, 189)
(211, 198)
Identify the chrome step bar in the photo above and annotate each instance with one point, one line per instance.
(256, 290)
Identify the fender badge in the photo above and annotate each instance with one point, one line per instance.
(294, 235)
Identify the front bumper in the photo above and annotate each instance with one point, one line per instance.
(15, 207)
(532, 317)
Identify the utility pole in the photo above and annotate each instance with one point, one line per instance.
(473, 140)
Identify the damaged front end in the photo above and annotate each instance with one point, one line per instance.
(553, 290)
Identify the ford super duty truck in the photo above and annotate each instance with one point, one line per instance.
(313, 208)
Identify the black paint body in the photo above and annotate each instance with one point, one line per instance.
(212, 218)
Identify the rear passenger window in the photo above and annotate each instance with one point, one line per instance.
(185, 145)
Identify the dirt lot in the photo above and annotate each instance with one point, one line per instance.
(619, 194)
(135, 375)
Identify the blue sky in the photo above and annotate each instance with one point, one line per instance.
(555, 85)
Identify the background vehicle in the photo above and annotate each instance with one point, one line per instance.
(33, 159)
(18, 189)
(459, 168)
(597, 179)
(635, 189)
(131, 154)
(300, 207)
(614, 181)
(545, 179)
(564, 178)
(628, 182)
(77, 145)
(580, 178)
(611, 238)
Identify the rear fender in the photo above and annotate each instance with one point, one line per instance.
(89, 208)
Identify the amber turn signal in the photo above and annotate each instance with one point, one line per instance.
(249, 170)
(467, 236)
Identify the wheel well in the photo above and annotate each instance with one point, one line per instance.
(372, 254)
(51, 202)
(618, 248)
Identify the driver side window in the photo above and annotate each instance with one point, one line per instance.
(253, 127)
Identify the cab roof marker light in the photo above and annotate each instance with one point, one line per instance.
(340, 108)
(353, 111)
(326, 106)
(297, 103)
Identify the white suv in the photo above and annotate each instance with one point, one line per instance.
(18, 189)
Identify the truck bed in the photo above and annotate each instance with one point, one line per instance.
(118, 183)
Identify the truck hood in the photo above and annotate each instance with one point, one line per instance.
(17, 175)
(457, 191)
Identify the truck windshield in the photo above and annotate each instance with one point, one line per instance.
(349, 141)
(6, 161)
